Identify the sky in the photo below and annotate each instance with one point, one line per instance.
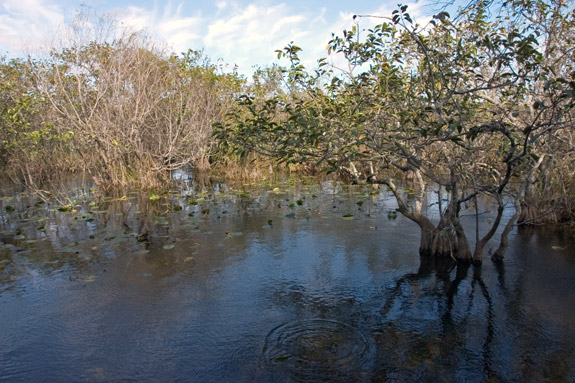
(238, 32)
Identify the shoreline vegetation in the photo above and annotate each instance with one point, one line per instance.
(475, 106)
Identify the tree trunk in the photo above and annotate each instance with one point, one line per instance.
(500, 252)
(428, 232)
(446, 240)
(480, 244)
(462, 249)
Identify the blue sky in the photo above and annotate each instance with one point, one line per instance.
(242, 32)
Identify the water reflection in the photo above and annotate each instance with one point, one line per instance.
(271, 283)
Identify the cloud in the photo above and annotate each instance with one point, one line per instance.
(221, 5)
(23, 23)
(249, 34)
(242, 32)
(167, 24)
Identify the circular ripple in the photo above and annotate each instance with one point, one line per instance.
(318, 350)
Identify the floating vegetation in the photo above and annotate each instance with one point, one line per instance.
(162, 221)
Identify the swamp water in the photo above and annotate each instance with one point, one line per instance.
(282, 283)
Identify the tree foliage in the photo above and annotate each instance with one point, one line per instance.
(111, 102)
(470, 106)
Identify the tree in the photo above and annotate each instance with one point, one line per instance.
(29, 139)
(137, 112)
(461, 106)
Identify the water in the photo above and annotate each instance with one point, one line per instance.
(295, 284)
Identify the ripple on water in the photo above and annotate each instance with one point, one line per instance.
(319, 350)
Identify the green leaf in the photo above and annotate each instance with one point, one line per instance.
(281, 358)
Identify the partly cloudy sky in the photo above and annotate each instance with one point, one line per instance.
(241, 32)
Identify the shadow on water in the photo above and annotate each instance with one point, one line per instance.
(286, 282)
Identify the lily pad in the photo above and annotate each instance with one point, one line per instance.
(162, 221)
(281, 358)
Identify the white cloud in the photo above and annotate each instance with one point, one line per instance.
(135, 17)
(239, 32)
(167, 24)
(248, 35)
(221, 5)
(23, 23)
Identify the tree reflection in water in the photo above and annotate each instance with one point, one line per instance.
(443, 322)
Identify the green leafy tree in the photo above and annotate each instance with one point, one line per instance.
(462, 106)
(32, 148)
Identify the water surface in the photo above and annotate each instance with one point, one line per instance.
(282, 283)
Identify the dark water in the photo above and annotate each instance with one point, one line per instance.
(301, 283)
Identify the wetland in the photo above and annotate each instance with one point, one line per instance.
(270, 282)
